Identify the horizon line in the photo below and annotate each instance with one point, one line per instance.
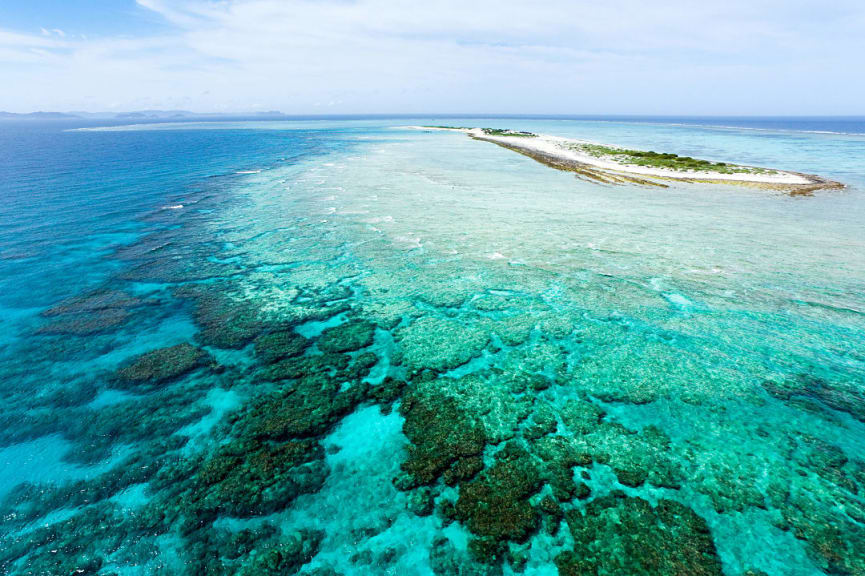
(152, 114)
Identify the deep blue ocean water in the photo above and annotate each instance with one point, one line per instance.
(731, 321)
(72, 196)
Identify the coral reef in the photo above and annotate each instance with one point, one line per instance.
(442, 435)
(159, 366)
(359, 393)
(495, 506)
(347, 337)
(274, 346)
(439, 343)
(621, 535)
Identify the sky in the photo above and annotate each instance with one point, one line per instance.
(666, 57)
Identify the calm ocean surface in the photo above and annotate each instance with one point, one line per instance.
(345, 347)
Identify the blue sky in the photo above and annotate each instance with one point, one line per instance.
(485, 56)
(88, 17)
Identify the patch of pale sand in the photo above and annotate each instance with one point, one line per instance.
(440, 128)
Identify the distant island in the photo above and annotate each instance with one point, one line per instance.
(138, 115)
(36, 115)
(616, 165)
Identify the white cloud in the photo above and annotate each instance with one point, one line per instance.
(614, 56)
(53, 32)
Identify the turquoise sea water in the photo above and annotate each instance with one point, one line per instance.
(343, 346)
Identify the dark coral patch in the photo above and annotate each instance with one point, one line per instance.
(306, 410)
(621, 535)
(175, 270)
(842, 395)
(93, 302)
(225, 322)
(279, 344)
(825, 509)
(347, 337)
(86, 324)
(160, 366)
(248, 479)
(465, 468)
(387, 392)
(495, 505)
(286, 556)
(302, 366)
(581, 417)
(441, 434)
(89, 313)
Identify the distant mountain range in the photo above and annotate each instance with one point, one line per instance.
(136, 115)
(37, 115)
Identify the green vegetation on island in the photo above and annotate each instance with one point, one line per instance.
(487, 131)
(665, 160)
(503, 132)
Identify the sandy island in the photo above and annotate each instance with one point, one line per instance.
(615, 165)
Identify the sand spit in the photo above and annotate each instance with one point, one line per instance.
(610, 164)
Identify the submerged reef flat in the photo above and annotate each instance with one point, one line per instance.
(615, 165)
(388, 358)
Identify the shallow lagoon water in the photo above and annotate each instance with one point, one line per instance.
(363, 349)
